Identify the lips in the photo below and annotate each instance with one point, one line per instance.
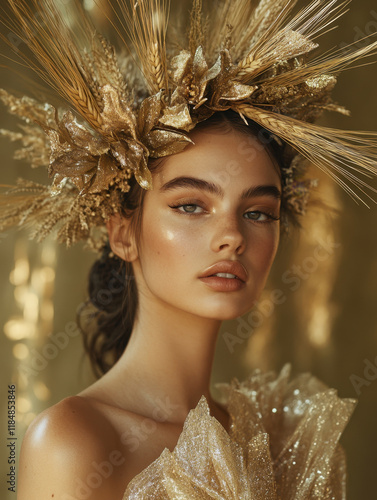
(226, 269)
(226, 276)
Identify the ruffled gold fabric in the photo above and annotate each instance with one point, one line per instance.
(283, 443)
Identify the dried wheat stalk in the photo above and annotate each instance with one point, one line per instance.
(55, 57)
(338, 153)
(145, 26)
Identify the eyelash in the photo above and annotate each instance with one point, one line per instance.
(270, 217)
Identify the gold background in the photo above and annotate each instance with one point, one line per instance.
(328, 326)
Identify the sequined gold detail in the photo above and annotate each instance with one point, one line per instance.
(282, 444)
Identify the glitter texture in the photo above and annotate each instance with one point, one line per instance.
(282, 444)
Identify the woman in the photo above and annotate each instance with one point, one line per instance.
(201, 255)
(200, 250)
(193, 228)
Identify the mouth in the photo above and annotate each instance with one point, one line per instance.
(227, 269)
(225, 276)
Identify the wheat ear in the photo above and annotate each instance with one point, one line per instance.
(145, 25)
(55, 56)
(338, 153)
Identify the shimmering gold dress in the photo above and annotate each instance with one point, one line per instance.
(282, 444)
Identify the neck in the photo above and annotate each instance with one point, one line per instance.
(169, 358)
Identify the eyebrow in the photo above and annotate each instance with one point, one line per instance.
(212, 188)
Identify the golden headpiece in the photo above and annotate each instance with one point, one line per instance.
(246, 56)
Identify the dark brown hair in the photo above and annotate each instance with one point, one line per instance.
(107, 317)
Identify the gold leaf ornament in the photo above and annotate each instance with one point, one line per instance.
(149, 114)
(137, 159)
(225, 87)
(132, 156)
(80, 156)
(191, 75)
(188, 74)
(162, 142)
(127, 130)
(178, 117)
(117, 115)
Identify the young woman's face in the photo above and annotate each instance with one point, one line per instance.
(209, 227)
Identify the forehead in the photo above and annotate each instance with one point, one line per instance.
(217, 156)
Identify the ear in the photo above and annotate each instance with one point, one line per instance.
(121, 238)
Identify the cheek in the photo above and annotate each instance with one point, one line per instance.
(263, 251)
(166, 244)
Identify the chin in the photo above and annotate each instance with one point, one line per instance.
(229, 317)
(227, 312)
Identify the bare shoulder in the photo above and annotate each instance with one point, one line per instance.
(65, 446)
(73, 421)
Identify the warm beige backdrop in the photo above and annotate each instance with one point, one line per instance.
(327, 278)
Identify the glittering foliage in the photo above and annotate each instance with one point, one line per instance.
(125, 107)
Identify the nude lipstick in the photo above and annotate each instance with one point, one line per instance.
(225, 276)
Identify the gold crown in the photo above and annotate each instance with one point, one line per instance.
(258, 60)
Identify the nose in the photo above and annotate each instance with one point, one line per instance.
(228, 237)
